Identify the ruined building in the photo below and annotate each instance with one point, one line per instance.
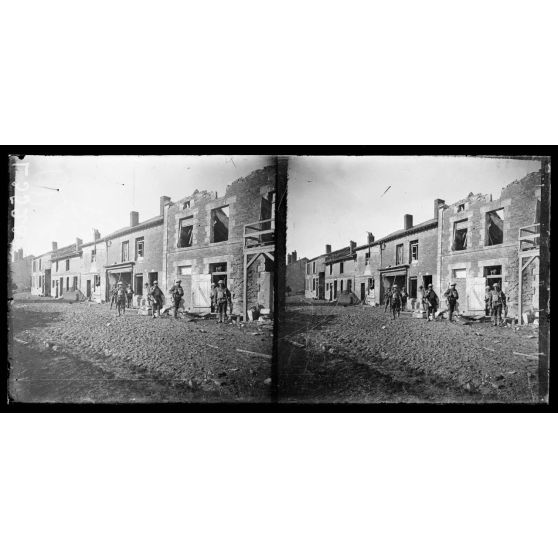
(230, 238)
(21, 270)
(475, 242)
(482, 241)
(296, 274)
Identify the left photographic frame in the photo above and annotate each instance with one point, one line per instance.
(141, 279)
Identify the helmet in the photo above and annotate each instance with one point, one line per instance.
(155, 282)
(220, 282)
(452, 284)
(430, 285)
(496, 285)
(178, 281)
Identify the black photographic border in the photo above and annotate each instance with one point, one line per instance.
(282, 152)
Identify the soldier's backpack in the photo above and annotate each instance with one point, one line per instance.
(496, 298)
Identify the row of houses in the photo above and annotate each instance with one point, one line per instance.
(473, 242)
(199, 239)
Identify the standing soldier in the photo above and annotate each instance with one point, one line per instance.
(497, 303)
(487, 301)
(129, 295)
(213, 305)
(431, 301)
(156, 295)
(222, 298)
(177, 292)
(387, 299)
(452, 296)
(120, 298)
(404, 297)
(396, 301)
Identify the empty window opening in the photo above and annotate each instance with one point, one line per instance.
(460, 207)
(68, 264)
(140, 245)
(67, 283)
(220, 224)
(349, 285)
(399, 254)
(341, 269)
(495, 227)
(493, 274)
(313, 267)
(125, 251)
(75, 284)
(341, 285)
(186, 229)
(186, 205)
(413, 250)
(460, 235)
(218, 272)
(267, 209)
(93, 255)
(56, 265)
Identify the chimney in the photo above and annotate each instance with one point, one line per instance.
(163, 201)
(96, 235)
(370, 238)
(407, 221)
(294, 256)
(54, 246)
(79, 242)
(328, 248)
(134, 218)
(437, 204)
(289, 259)
(352, 245)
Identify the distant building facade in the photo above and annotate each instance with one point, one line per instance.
(21, 271)
(296, 274)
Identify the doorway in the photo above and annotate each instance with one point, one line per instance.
(362, 291)
(88, 288)
(334, 290)
(426, 280)
(412, 287)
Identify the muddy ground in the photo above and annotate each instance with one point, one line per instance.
(82, 352)
(359, 354)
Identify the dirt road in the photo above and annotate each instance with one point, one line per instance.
(83, 352)
(360, 354)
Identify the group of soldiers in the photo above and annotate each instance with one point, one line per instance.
(494, 300)
(122, 295)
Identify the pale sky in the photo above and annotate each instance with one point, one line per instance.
(336, 199)
(99, 192)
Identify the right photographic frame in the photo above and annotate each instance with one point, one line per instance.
(416, 279)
